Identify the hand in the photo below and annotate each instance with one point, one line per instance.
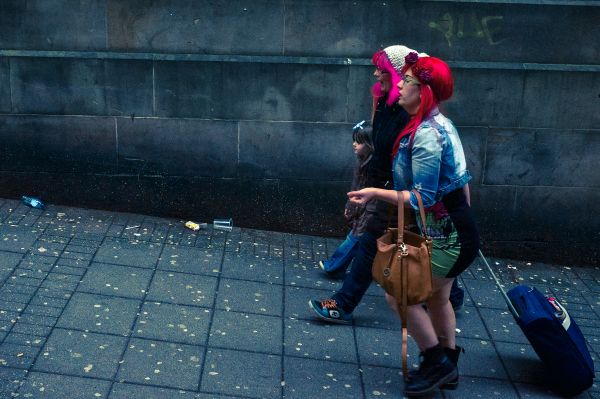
(361, 197)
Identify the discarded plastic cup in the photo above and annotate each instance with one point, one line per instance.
(223, 224)
(33, 202)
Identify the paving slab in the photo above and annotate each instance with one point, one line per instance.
(98, 304)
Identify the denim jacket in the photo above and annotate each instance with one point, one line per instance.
(434, 163)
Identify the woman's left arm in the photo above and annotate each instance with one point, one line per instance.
(426, 157)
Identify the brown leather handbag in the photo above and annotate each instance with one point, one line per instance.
(402, 266)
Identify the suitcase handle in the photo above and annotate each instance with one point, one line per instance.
(511, 307)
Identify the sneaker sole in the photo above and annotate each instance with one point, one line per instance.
(443, 381)
(337, 321)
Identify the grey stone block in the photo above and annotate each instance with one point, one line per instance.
(190, 260)
(308, 274)
(57, 144)
(469, 323)
(17, 239)
(67, 86)
(446, 30)
(249, 91)
(318, 340)
(5, 90)
(480, 359)
(98, 313)
(373, 311)
(502, 325)
(360, 100)
(543, 98)
(232, 27)
(164, 364)
(7, 267)
(536, 157)
(81, 354)
(473, 140)
(130, 253)
(250, 296)
(339, 380)
(495, 212)
(296, 301)
(11, 379)
(377, 347)
(130, 282)
(55, 386)
(249, 332)
(53, 25)
(484, 97)
(542, 212)
(383, 381)
(180, 147)
(25, 339)
(18, 356)
(173, 323)
(475, 387)
(235, 372)
(184, 289)
(296, 151)
(522, 363)
(133, 391)
(253, 267)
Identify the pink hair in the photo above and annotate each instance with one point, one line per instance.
(383, 63)
(436, 86)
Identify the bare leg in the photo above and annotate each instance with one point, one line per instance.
(442, 315)
(426, 325)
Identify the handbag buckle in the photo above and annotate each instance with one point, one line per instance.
(403, 249)
(386, 272)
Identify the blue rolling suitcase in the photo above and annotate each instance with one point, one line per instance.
(554, 336)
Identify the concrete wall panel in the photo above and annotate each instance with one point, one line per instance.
(57, 144)
(179, 147)
(450, 30)
(298, 151)
(558, 214)
(4, 85)
(543, 157)
(81, 86)
(560, 99)
(251, 91)
(473, 140)
(53, 24)
(202, 26)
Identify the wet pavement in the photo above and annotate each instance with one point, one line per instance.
(98, 304)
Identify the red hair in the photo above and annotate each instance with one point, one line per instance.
(437, 85)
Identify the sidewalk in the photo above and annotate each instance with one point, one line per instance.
(96, 304)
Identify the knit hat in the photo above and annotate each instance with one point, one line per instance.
(390, 60)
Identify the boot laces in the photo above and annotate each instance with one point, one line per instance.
(329, 304)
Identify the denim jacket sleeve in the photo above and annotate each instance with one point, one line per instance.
(426, 159)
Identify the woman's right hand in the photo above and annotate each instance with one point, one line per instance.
(363, 196)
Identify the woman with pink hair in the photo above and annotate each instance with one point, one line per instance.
(428, 157)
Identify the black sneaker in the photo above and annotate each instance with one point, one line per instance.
(430, 376)
(328, 310)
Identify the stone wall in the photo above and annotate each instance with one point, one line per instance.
(202, 109)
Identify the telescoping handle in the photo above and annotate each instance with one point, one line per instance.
(506, 298)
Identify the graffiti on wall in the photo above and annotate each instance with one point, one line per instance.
(457, 26)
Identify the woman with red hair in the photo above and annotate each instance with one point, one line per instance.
(428, 157)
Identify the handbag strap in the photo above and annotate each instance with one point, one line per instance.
(401, 216)
(402, 253)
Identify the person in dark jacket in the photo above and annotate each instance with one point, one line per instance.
(388, 120)
(339, 261)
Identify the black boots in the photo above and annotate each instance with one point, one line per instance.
(453, 355)
(435, 370)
